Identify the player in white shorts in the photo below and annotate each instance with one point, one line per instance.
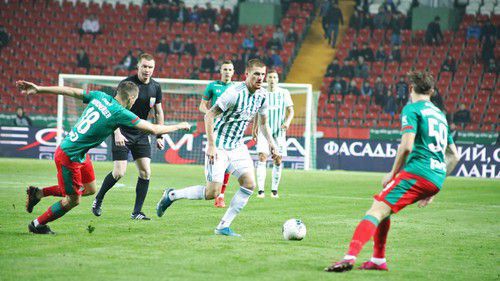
(280, 115)
(225, 149)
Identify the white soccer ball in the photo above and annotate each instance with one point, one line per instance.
(294, 229)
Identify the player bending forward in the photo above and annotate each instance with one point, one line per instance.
(280, 115)
(225, 148)
(75, 173)
(428, 154)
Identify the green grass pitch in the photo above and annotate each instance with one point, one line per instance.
(455, 238)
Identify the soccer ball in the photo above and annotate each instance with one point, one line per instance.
(294, 229)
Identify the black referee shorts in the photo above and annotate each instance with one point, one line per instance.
(139, 148)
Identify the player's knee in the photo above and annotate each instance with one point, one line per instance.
(73, 201)
(145, 174)
(247, 182)
(118, 173)
(262, 157)
(277, 161)
(211, 193)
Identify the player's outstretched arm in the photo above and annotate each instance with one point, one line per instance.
(451, 157)
(156, 129)
(404, 150)
(29, 88)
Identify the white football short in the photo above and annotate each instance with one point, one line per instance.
(263, 146)
(236, 161)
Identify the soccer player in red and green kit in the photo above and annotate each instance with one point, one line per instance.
(425, 157)
(75, 173)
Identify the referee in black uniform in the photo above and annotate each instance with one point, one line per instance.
(137, 142)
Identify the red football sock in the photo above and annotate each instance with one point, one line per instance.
(52, 191)
(53, 213)
(380, 238)
(363, 233)
(224, 184)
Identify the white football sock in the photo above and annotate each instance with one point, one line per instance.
(349, 257)
(378, 261)
(276, 176)
(195, 192)
(261, 175)
(240, 199)
(36, 223)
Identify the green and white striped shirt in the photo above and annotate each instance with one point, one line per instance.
(278, 101)
(239, 106)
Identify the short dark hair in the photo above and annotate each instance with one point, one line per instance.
(255, 63)
(422, 81)
(126, 89)
(226, 62)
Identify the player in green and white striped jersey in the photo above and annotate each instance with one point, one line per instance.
(225, 148)
(212, 92)
(280, 115)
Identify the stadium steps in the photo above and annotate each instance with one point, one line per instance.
(315, 54)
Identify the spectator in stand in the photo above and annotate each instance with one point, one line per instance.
(274, 44)
(195, 74)
(487, 30)
(353, 89)
(267, 59)
(390, 102)
(323, 10)
(177, 46)
(433, 34)
(368, 21)
(279, 35)
(354, 53)
(128, 62)
(259, 42)
(356, 21)
(488, 51)
(195, 15)
(402, 91)
(90, 26)
(492, 66)
(347, 71)
(366, 89)
(4, 37)
(207, 63)
(462, 116)
(337, 87)
(245, 56)
(82, 59)
(239, 65)
(395, 54)
(292, 36)
(449, 65)
(209, 15)
(446, 114)
(21, 120)
(334, 20)
(361, 70)
(367, 53)
(155, 12)
(276, 59)
(396, 24)
(182, 14)
(255, 54)
(163, 46)
(248, 42)
(190, 48)
(228, 24)
(381, 55)
(389, 7)
(473, 30)
(333, 68)
(379, 91)
(381, 19)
